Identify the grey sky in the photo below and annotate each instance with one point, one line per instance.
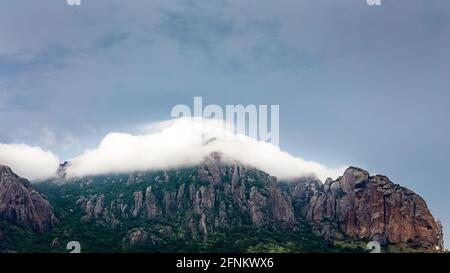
(356, 84)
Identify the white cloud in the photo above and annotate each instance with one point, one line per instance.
(168, 144)
(185, 142)
(29, 162)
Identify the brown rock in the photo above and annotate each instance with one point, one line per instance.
(137, 236)
(150, 203)
(138, 202)
(370, 208)
(21, 204)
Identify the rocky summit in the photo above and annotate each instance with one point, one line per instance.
(364, 207)
(216, 206)
(22, 205)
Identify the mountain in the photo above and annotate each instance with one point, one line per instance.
(224, 206)
(364, 207)
(22, 205)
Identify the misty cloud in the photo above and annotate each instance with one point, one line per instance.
(185, 142)
(28, 162)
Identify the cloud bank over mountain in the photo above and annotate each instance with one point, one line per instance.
(29, 162)
(168, 144)
(185, 142)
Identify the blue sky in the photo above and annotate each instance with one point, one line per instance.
(356, 84)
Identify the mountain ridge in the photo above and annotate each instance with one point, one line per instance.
(151, 209)
(22, 205)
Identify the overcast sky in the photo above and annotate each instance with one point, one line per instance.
(356, 84)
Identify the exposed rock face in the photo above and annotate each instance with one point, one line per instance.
(214, 196)
(150, 203)
(251, 193)
(138, 200)
(360, 206)
(94, 208)
(21, 204)
(140, 237)
(137, 236)
(219, 195)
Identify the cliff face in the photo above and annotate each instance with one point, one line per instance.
(162, 207)
(22, 205)
(203, 200)
(360, 206)
(219, 195)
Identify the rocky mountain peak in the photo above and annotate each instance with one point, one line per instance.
(62, 170)
(22, 205)
(5, 170)
(220, 194)
(353, 177)
(365, 207)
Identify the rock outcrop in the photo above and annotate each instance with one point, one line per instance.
(137, 236)
(213, 196)
(221, 195)
(140, 237)
(22, 205)
(364, 207)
